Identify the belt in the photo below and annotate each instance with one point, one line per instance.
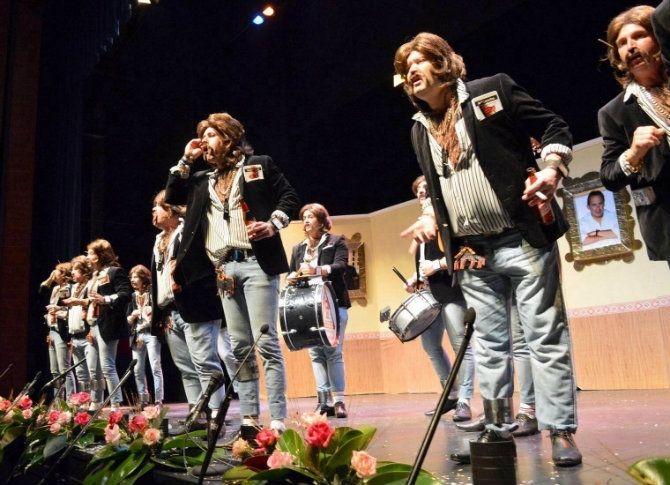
(79, 334)
(487, 237)
(238, 255)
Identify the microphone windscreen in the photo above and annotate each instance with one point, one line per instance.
(265, 328)
(132, 364)
(470, 316)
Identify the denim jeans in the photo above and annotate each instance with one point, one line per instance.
(225, 350)
(451, 319)
(328, 362)
(89, 375)
(107, 354)
(151, 346)
(176, 340)
(531, 274)
(521, 353)
(254, 303)
(59, 360)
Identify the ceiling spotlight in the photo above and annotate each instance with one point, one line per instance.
(258, 20)
(268, 11)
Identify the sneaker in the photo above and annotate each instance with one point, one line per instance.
(564, 451)
(462, 412)
(278, 425)
(527, 425)
(94, 406)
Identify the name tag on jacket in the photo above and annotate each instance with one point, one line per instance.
(253, 173)
(486, 105)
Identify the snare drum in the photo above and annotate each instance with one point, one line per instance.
(308, 315)
(415, 315)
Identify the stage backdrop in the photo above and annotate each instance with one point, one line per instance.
(619, 312)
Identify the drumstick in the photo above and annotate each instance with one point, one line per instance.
(402, 278)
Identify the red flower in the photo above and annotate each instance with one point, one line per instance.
(25, 402)
(82, 418)
(319, 434)
(114, 417)
(266, 437)
(53, 416)
(138, 423)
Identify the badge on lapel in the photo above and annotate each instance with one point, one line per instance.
(486, 105)
(253, 173)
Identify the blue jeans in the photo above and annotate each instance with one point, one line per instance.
(225, 350)
(107, 354)
(451, 319)
(328, 362)
(254, 303)
(90, 374)
(59, 360)
(151, 346)
(521, 353)
(176, 340)
(531, 274)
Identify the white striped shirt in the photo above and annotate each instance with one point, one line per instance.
(164, 293)
(473, 206)
(222, 235)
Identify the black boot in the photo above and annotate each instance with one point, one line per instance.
(322, 407)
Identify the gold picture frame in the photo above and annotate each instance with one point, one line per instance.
(585, 201)
(356, 282)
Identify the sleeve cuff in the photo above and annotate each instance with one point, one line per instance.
(182, 169)
(279, 219)
(625, 166)
(562, 151)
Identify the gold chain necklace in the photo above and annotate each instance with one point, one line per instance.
(652, 95)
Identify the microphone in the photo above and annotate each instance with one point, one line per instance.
(60, 376)
(470, 316)
(215, 381)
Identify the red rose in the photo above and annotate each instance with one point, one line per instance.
(138, 424)
(266, 437)
(319, 434)
(25, 402)
(114, 417)
(82, 418)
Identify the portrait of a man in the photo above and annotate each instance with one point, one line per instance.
(598, 224)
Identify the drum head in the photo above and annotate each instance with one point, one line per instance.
(414, 316)
(329, 315)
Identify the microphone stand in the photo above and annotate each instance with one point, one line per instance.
(423, 450)
(90, 422)
(6, 370)
(59, 377)
(27, 388)
(215, 428)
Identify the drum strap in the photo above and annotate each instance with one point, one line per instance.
(248, 371)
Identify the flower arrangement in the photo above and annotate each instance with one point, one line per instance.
(16, 418)
(317, 453)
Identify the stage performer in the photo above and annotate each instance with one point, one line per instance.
(325, 254)
(108, 295)
(428, 273)
(472, 141)
(191, 313)
(144, 336)
(235, 212)
(89, 376)
(635, 125)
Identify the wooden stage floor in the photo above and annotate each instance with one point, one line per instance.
(616, 428)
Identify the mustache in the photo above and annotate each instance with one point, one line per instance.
(647, 57)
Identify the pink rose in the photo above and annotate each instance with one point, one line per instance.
(55, 427)
(308, 419)
(267, 437)
(5, 404)
(80, 398)
(64, 417)
(280, 459)
(112, 433)
(53, 416)
(27, 413)
(241, 448)
(25, 402)
(364, 464)
(138, 424)
(151, 436)
(114, 417)
(82, 419)
(319, 434)
(151, 412)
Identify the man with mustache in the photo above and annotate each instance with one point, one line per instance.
(235, 212)
(635, 125)
(472, 142)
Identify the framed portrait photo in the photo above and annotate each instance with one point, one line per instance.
(601, 224)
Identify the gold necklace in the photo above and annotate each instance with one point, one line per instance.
(652, 95)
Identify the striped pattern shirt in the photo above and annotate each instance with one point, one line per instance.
(473, 206)
(164, 293)
(222, 235)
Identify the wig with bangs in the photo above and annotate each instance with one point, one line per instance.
(104, 251)
(81, 264)
(173, 210)
(320, 213)
(143, 273)
(232, 133)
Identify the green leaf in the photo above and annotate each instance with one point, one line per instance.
(291, 442)
(86, 440)
(184, 440)
(109, 451)
(10, 434)
(127, 467)
(98, 476)
(238, 473)
(148, 466)
(136, 446)
(287, 474)
(342, 456)
(54, 445)
(651, 471)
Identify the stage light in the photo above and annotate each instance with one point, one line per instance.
(258, 20)
(268, 11)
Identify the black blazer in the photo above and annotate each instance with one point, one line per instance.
(502, 145)
(263, 196)
(112, 317)
(439, 283)
(618, 120)
(335, 253)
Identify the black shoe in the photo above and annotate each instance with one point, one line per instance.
(474, 427)
(564, 451)
(462, 412)
(247, 433)
(527, 425)
(487, 436)
(340, 410)
(448, 406)
(325, 409)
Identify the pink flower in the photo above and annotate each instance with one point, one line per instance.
(82, 419)
(364, 464)
(53, 416)
(112, 433)
(280, 459)
(138, 424)
(241, 448)
(151, 412)
(114, 417)
(8, 417)
(319, 434)
(151, 436)
(267, 437)
(65, 417)
(25, 402)
(308, 419)
(80, 398)
(5, 404)
(27, 413)
(55, 427)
